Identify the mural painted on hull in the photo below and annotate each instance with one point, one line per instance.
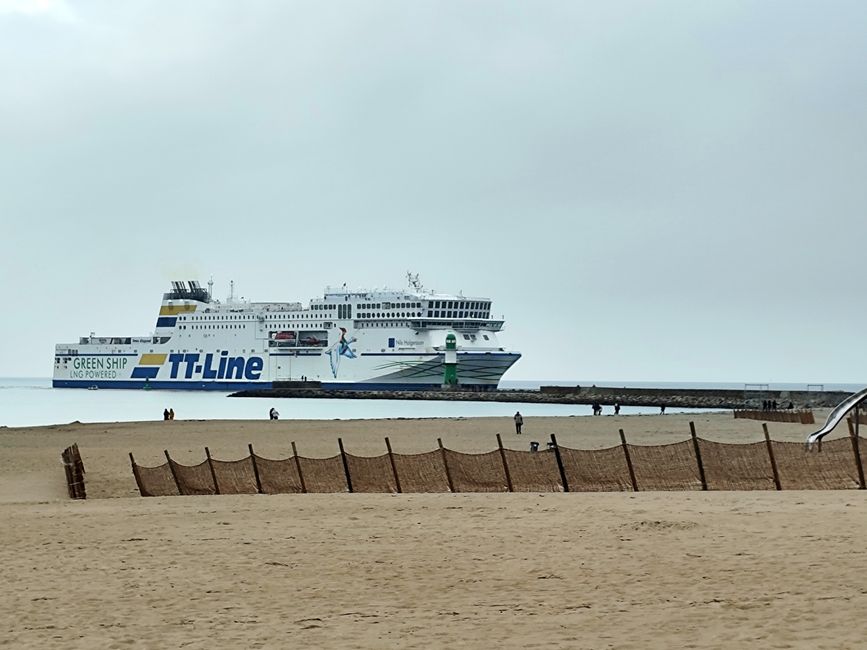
(340, 349)
(472, 368)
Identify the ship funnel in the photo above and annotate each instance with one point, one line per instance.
(179, 286)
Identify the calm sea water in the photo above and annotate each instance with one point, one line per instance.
(33, 402)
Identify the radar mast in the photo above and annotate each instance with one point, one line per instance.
(414, 282)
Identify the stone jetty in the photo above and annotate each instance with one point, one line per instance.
(697, 398)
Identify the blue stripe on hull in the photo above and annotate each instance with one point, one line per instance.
(224, 386)
(145, 372)
(231, 386)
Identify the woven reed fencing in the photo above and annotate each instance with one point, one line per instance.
(801, 417)
(74, 468)
(693, 464)
(862, 418)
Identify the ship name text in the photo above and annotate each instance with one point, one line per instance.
(223, 367)
(97, 367)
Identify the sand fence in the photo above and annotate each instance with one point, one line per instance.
(74, 468)
(692, 464)
(799, 417)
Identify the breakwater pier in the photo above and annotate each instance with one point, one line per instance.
(698, 398)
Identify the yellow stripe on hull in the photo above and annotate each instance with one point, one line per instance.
(173, 310)
(152, 360)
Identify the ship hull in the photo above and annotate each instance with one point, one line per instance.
(481, 371)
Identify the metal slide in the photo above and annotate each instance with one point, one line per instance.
(836, 416)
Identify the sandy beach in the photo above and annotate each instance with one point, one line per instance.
(616, 570)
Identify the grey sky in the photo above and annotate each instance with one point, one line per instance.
(647, 191)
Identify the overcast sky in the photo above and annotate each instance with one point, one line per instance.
(648, 191)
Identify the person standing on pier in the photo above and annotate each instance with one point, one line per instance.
(519, 422)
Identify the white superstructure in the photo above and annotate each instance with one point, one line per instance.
(375, 340)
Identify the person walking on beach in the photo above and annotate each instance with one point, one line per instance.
(273, 414)
(662, 409)
(165, 414)
(616, 408)
(519, 422)
(171, 414)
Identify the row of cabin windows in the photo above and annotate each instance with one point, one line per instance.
(459, 314)
(385, 323)
(384, 305)
(344, 312)
(381, 315)
(459, 304)
(225, 327)
(432, 314)
(271, 316)
(198, 318)
(457, 309)
(212, 327)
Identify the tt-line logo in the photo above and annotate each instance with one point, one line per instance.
(226, 367)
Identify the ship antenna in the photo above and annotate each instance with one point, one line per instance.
(413, 281)
(210, 288)
(231, 290)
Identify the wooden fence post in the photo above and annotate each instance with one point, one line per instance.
(698, 456)
(67, 468)
(505, 464)
(172, 470)
(298, 467)
(393, 466)
(255, 468)
(345, 465)
(856, 449)
(74, 469)
(560, 463)
(446, 465)
(78, 472)
(857, 419)
(80, 463)
(771, 456)
(628, 461)
(136, 474)
(213, 473)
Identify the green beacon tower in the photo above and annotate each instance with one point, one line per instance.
(450, 365)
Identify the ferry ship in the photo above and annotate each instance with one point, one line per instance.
(347, 339)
